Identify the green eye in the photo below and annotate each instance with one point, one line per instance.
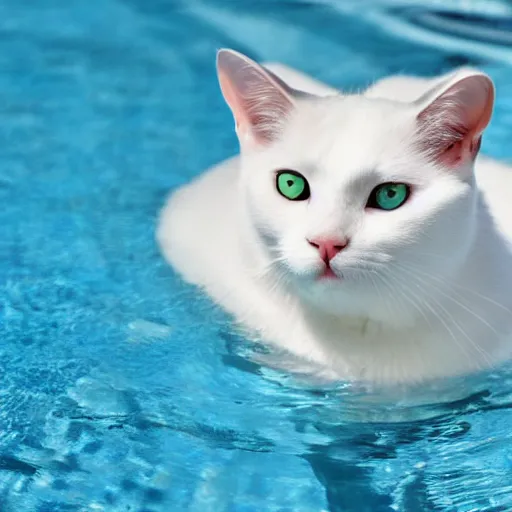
(388, 196)
(292, 185)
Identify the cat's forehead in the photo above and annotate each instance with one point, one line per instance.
(352, 132)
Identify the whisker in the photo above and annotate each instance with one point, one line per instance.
(392, 297)
(450, 317)
(411, 298)
(444, 281)
(377, 288)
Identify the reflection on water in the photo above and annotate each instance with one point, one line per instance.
(124, 389)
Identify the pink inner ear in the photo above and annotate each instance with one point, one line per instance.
(232, 100)
(260, 103)
(450, 128)
(249, 118)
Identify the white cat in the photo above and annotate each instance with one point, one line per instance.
(353, 231)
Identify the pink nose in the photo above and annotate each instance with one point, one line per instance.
(328, 248)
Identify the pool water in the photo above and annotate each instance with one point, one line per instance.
(123, 389)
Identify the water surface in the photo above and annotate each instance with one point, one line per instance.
(121, 388)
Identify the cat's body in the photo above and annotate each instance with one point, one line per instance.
(406, 323)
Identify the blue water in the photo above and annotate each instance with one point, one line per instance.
(121, 388)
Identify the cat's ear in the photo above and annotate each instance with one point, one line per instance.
(259, 100)
(453, 116)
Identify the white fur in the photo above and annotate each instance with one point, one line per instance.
(426, 289)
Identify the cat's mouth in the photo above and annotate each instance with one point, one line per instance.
(328, 274)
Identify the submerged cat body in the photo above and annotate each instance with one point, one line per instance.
(355, 231)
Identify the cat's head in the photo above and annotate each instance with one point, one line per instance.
(358, 201)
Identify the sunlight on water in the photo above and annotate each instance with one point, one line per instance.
(124, 389)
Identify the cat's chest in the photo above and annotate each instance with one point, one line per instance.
(363, 348)
(355, 338)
